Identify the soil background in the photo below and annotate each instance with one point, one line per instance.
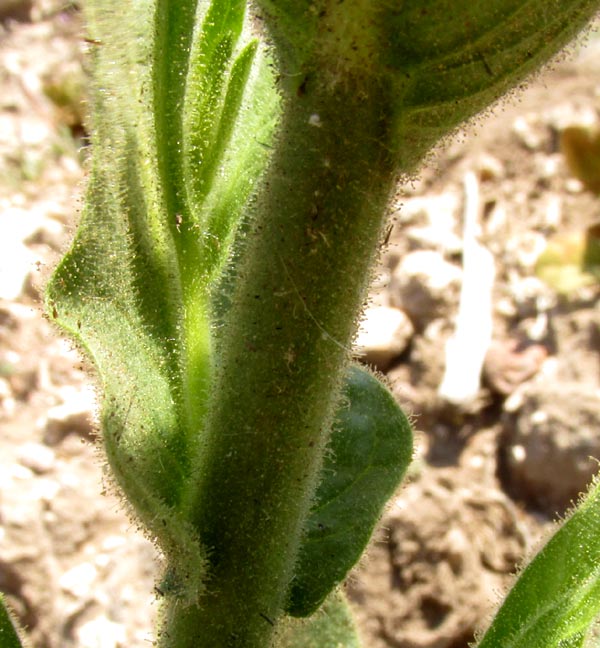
(491, 472)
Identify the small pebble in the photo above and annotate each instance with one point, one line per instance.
(78, 580)
(101, 633)
(75, 415)
(384, 334)
(37, 456)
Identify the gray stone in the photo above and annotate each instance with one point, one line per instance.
(551, 446)
(425, 286)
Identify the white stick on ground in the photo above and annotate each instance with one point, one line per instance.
(466, 349)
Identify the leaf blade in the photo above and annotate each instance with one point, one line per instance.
(557, 596)
(370, 450)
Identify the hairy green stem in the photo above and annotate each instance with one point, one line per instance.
(219, 393)
(284, 345)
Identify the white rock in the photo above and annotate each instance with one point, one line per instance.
(16, 259)
(7, 401)
(78, 580)
(528, 131)
(548, 166)
(490, 167)
(384, 334)
(101, 633)
(432, 220)
(434, 208)
(112, 542)
(16, 262)
(527, 249)
(569, 113)
(15, 472)
(34, 131)
(438, 236)
(37, 456)
(44, 489)
(574, 186)
(424, 284)
(526, 291)
(75, 414)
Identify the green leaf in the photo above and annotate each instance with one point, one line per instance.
(454, 59)
(557, 597)
(8, 634)
(176, 89)
(369, 452)
(331, 627)
(442, 60)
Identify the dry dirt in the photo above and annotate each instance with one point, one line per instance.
(489, 477)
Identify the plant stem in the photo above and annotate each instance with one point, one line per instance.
(284, 344)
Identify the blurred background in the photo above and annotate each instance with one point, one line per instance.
(483, 317)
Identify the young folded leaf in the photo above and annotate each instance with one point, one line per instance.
(369, 452)
(183, 103)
